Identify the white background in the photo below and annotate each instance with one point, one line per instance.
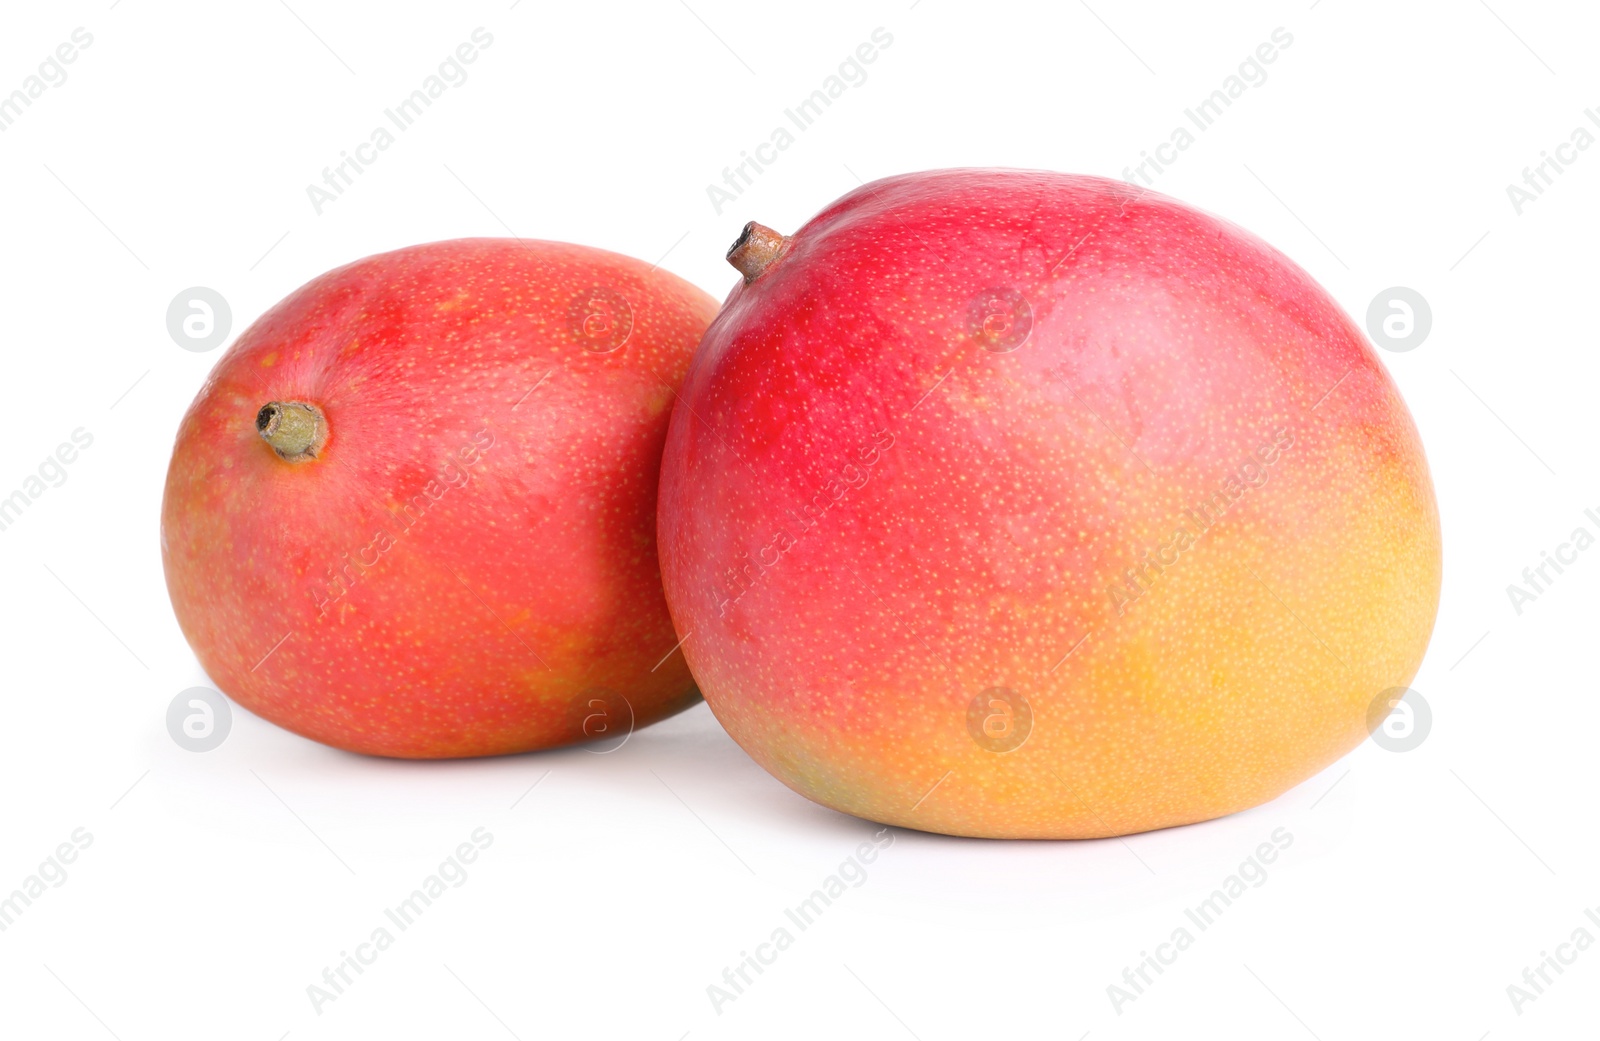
(219, 885)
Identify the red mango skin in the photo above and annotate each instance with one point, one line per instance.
(469, 566)
(1056, 436)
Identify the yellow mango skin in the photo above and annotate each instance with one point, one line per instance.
(888, 493)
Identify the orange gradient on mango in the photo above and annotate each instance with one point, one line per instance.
(1026, 505)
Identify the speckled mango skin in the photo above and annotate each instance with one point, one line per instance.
(876, 507)
(469, 566)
